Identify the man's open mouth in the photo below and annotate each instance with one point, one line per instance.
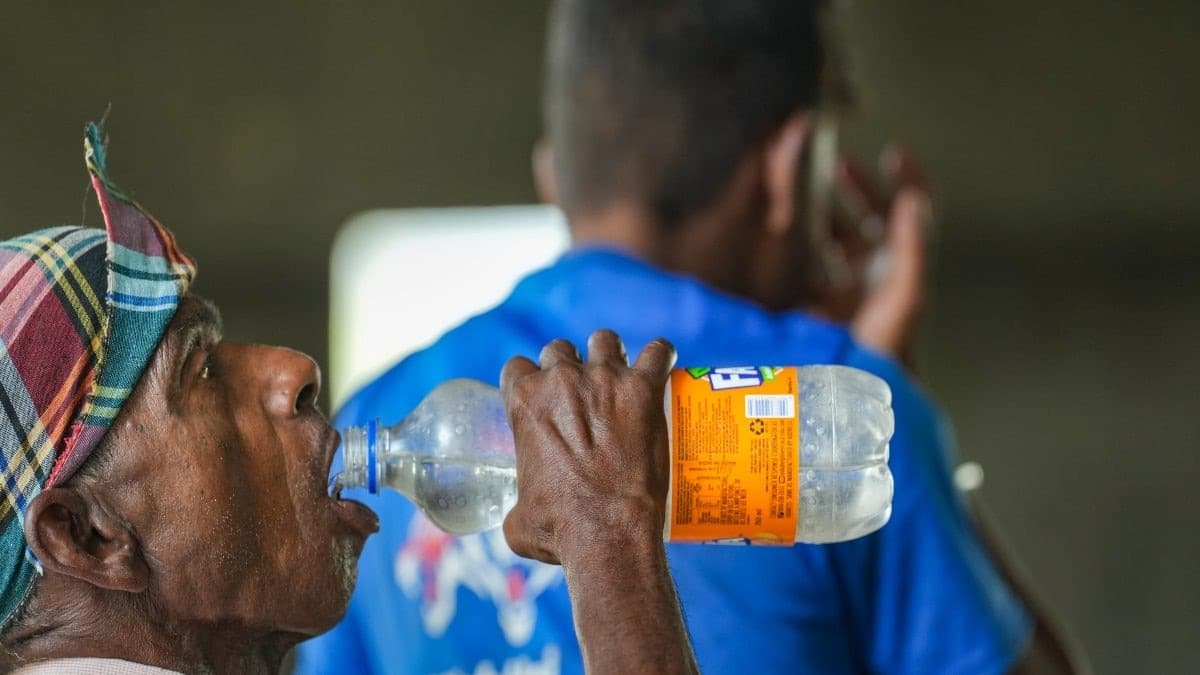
(360, 518)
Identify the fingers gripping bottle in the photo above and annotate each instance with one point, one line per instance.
(759, 455)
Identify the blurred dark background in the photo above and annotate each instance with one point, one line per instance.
(1063, 137)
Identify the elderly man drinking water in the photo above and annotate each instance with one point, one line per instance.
(164, 504)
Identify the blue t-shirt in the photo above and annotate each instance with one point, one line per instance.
(918, 596)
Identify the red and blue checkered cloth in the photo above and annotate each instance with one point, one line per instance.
(81, 313)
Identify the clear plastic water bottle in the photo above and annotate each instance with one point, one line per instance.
(759, 455)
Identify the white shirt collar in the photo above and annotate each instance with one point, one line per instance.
(90, 667)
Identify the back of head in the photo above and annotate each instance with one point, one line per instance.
(656, 101)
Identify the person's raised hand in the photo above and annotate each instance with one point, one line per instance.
(880, 234)
(591, 448)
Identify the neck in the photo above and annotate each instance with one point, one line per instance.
(623, 226)
(687, 247)
(89, 622)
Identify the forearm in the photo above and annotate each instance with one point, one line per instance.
(627, 615)
(1047, 653)
(1050, 649)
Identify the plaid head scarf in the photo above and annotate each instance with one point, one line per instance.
(81, 313)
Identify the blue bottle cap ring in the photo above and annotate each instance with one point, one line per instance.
(370, 468)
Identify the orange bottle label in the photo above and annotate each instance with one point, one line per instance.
(735, 434)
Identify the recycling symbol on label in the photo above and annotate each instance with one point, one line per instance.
(758, 427)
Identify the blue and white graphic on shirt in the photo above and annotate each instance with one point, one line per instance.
(432, 566)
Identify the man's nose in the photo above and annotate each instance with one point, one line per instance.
(294, 382)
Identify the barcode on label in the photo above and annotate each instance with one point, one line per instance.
(780, 406)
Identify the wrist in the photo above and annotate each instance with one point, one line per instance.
(631, 530)
(627, 615)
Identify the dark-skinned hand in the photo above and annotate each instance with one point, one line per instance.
(592, 473)
(591, 446)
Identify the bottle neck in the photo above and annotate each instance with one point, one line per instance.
(375, 456)
(360, 448)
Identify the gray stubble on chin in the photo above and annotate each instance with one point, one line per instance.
(346, 562)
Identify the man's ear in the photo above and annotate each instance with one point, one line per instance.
(545, 176)
(72, 535)
(781, 171)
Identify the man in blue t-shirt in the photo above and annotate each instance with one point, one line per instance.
(691, 156)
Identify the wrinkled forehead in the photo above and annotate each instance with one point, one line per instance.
(195, 316)
(197, 322)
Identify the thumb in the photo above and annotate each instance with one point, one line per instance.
(904, 278)
(887, 319)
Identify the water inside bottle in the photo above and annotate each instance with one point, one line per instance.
(463, 496)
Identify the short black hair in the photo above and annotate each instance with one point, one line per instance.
(657, 100)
